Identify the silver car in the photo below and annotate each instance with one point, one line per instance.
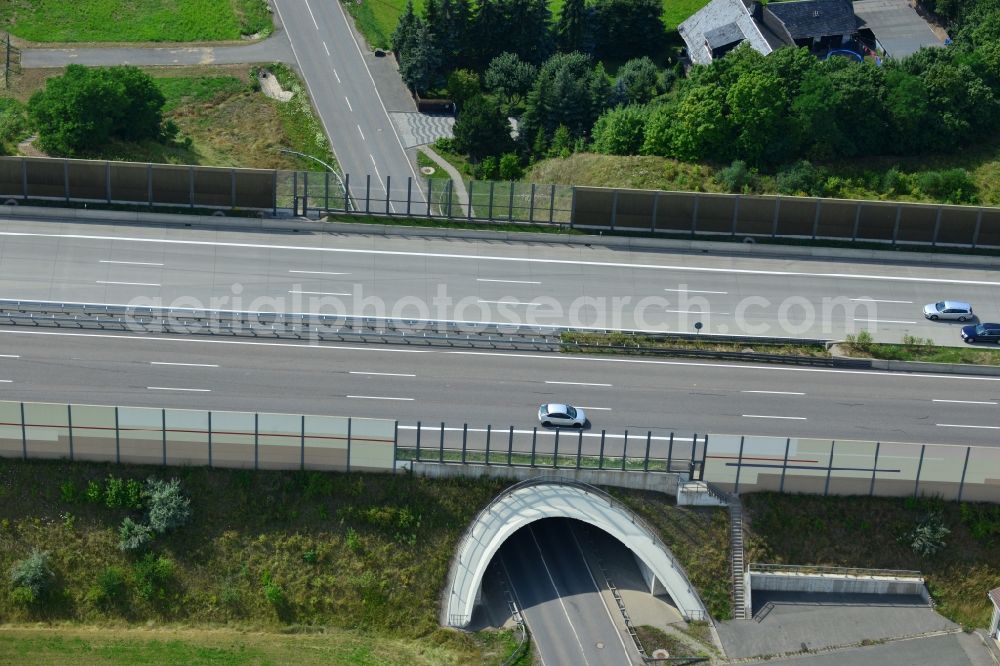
(561, 415)
(957, 310)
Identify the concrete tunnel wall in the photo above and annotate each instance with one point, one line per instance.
(526, 505)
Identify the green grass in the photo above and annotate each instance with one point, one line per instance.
(915, 349)
(871, 533)
(114, 647)
(134, 21)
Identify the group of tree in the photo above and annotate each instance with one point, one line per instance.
(458, 34)
(86, 107)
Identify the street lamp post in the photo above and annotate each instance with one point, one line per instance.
(347, 198)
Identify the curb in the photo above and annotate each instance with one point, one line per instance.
(299, 224)
(922, 366)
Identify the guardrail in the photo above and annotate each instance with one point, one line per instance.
(840, 571)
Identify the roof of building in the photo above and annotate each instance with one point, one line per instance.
(994, 595)
(897, 26)
(815, 18)
(718, 20)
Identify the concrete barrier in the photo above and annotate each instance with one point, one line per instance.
(905, 583)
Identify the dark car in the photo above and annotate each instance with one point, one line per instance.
(981, 333)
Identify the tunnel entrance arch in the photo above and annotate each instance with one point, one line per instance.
(558, 497)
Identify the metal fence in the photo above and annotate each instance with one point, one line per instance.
(249, 440)
(552, 448)
(744, 464)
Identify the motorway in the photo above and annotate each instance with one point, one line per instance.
(559, 597)
(500, 389)
(344, 95)
(481, 280)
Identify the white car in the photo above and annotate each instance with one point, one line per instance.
(958, 310)
(561, 415)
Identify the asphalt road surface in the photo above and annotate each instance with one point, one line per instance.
(494, 281)
(559, 598)
(343, 92)
(501, 389)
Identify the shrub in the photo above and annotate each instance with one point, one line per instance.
(317, 484)
(34, 575)
(861, 342)
(510, 167)
(133, 536)
(896, 182)
(621, 131)
(487, 169)
(736, 177)
(94, 494)
(167, 507)
(109, 588)
(800, 178)
(927, 538)
(68, 492)
(152, 574)
(983, 520)
(353, 540)
(950, 185)
(122, 493)
(273, 592)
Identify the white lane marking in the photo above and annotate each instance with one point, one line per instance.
(378, 397)
(536, 260)
(876, 300)
(378, 175)
(967, 402)
(351, 109)
(530, 305)
(326, 48)
(193, 365)
(555, 589)
(362, 136)
(955, 425)
(600, 594)
(317, 293)
(336, 75)
(130, 284)
(507, 281)
(311, 15)
(597, 409)
(776, 392)
(382, 374)
(885, 321)
(317, 272)
(10, 356)
(170, 388)
(577, 383)
(696, 291)
(6, 381)
(520, 607)
(700, 312)
(765, 416)
(130, 263)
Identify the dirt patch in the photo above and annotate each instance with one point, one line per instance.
(271, 87)
(27, 148)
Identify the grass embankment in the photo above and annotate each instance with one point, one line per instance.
(851, 179)
(136, 21)
(621, 343)
(224, 120)
(917, 349)
(872, 532)
(349, 557)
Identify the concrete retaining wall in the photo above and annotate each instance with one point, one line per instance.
(657, 481)
(837, 584)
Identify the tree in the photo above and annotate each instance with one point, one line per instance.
(569, 91)
(463, 84)
(621, 130)
(133, 536)
(418, 66)
(700, 128)
(453, 33)
(906, 108)
(510, 77)
(572, 29)
(638, 81)
(482, 129)
(405, 27)
(517, 26)
(757, 106)
(85, 108)
(626, 29)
